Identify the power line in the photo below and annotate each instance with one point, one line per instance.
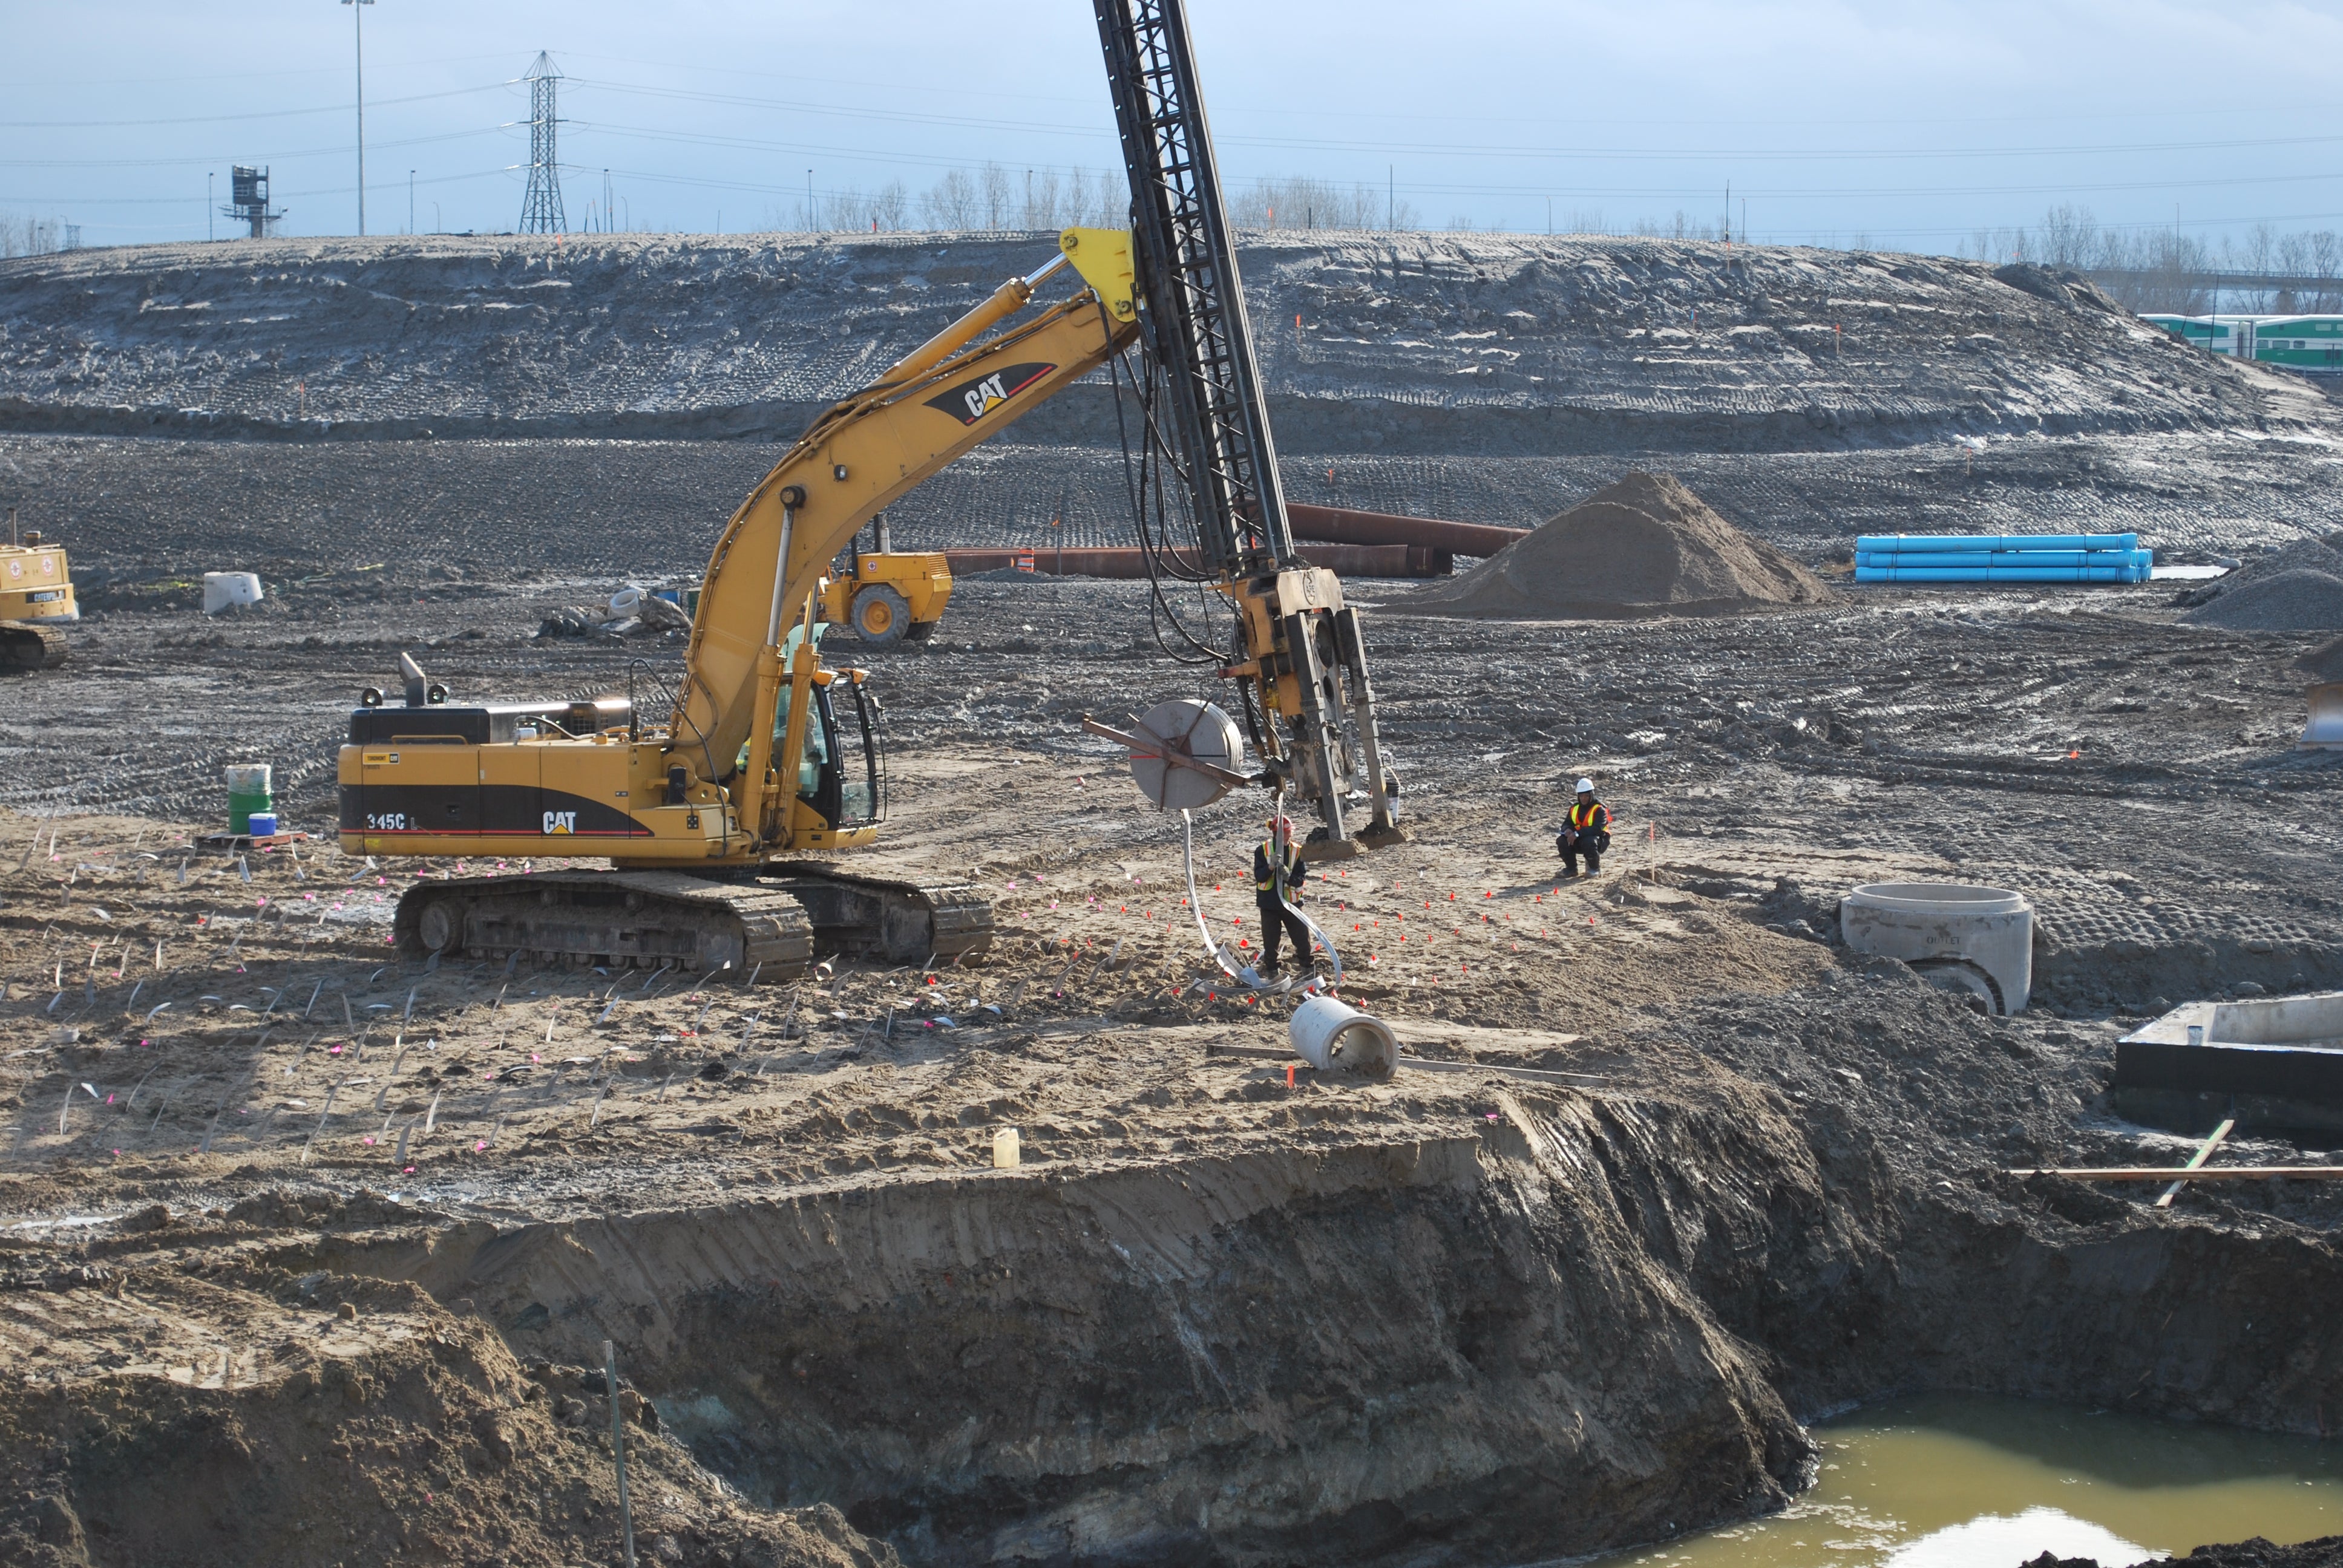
(249, 115)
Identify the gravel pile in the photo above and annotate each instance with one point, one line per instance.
(2319, 555)
(2299, 599)
(1644, 546)
(2324, 662)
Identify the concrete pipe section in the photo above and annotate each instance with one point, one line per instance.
(1334, 1037)
(1968, 939)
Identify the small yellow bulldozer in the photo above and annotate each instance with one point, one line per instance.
(37, 598)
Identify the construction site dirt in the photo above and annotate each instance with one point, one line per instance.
(309, 1251)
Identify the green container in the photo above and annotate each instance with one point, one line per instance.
(247, 791)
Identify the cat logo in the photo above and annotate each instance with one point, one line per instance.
(562, 821)
(972, 400)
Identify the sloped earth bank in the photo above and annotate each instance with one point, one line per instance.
(1407, 343)
(1457, 1318)
(2323, 1553)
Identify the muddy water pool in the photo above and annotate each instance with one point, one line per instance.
(1963, 1482)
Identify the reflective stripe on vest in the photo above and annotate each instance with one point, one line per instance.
(1583, 816)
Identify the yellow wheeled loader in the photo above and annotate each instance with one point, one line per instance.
(885, 597)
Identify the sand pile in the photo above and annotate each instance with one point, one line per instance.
(2296, 600)
(1644, 546)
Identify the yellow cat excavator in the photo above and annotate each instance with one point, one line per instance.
(765, 753)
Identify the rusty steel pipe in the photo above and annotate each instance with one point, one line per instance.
(1343, 526)
(1351, 560)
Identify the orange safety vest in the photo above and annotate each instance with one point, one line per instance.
(1584, 818)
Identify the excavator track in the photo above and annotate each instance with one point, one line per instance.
(25, 647)
(770, 928)
(611, 919)
(886, 917)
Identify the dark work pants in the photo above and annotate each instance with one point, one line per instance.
(1276, 921)
(1590, 845)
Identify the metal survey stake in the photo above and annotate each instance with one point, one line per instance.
(619, 1447)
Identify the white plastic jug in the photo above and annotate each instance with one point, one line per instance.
(1330, 1036)
(229, 590)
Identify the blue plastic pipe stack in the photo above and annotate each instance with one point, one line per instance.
(2001, 559)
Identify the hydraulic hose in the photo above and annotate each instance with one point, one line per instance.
(1245, 974)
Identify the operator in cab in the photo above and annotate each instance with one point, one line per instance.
(1587, 832)
(1277, 878)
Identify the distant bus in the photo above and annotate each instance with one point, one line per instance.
(2310, 344)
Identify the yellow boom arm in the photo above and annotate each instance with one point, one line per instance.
(945, 398)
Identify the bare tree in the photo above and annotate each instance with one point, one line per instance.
(952, 202)
(994, 179)
(2069, 240)
(31, 235)
(891, 205)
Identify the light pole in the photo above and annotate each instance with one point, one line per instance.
(208, 178)
(808, 201)
(411, 201)
(358, 32)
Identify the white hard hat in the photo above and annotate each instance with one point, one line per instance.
(1586, 786)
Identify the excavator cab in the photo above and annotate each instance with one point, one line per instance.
(841, 767)
(843, 773)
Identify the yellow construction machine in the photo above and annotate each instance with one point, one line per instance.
(37, 598)
(885, 596)
(764, 754)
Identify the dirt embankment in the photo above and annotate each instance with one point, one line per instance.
(1403, 343)
(1212, 1316)
(246, 1415)
(2327, 1552)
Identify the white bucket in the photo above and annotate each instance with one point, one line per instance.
(627, 601)
(1330, 1036)
(1974, 939)
(229, 590)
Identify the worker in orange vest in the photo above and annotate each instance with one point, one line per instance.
(1277, 878)
(1587, 832)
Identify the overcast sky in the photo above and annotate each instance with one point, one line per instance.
(1910, 126)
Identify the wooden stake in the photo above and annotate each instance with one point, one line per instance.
(2204, 1152)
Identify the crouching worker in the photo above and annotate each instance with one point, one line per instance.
(1587, 832)
(1277, 878)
